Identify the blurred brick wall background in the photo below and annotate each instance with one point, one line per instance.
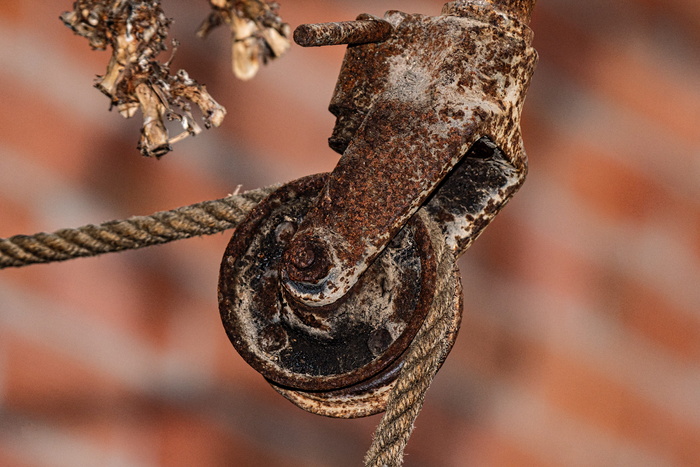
(580, 344)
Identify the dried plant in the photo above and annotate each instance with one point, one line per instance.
(137, 32)
(257, 32)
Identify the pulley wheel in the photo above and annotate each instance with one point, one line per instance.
(338, 360)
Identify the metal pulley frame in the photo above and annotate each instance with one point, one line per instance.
(326, 283)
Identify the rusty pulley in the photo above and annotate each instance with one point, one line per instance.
(326, 283)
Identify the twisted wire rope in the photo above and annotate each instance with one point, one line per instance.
(426, 353)
(205, 218)
(425, 356)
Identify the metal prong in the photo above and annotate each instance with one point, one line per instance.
(345, 32)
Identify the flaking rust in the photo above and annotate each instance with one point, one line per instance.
(326, 283)
(258, 34)
(364, 30)
(340, 356)
(408, 110)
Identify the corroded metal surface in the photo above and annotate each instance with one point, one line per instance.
(371, 396)
(518, 10)
(408, 109)
(325, 348)
(472, 194)
(325, 284)
(365, 29)
(341, 360)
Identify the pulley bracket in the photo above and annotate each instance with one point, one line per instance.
(326, 283)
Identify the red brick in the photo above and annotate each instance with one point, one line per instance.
(15, 217)
(434, 437)
(272, 128)
(573, 387)
(442, 439)
(630, 78)
(233, 370)
(141, 186)
(10, 10)
(486, 448)
(694, 233)
(102, 289)
(642, 84)
(68, 397)
(684, 14)
(615, 190)
(583, 391)
(514, 249)
(48, 135)
(7, 459)
(490, 351)
(622, 194)
(187, 440)
(654, 317)
(184, 442)
(46, 384)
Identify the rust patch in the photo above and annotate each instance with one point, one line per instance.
(407, 111)
(326, 283)
(364, 30)
(327, 348)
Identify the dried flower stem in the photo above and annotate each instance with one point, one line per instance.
(137, 32)
(257, 32)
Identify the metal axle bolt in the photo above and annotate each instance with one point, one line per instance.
(302, 257)
(307, 261)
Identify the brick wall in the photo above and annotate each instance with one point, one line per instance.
(580, 344)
